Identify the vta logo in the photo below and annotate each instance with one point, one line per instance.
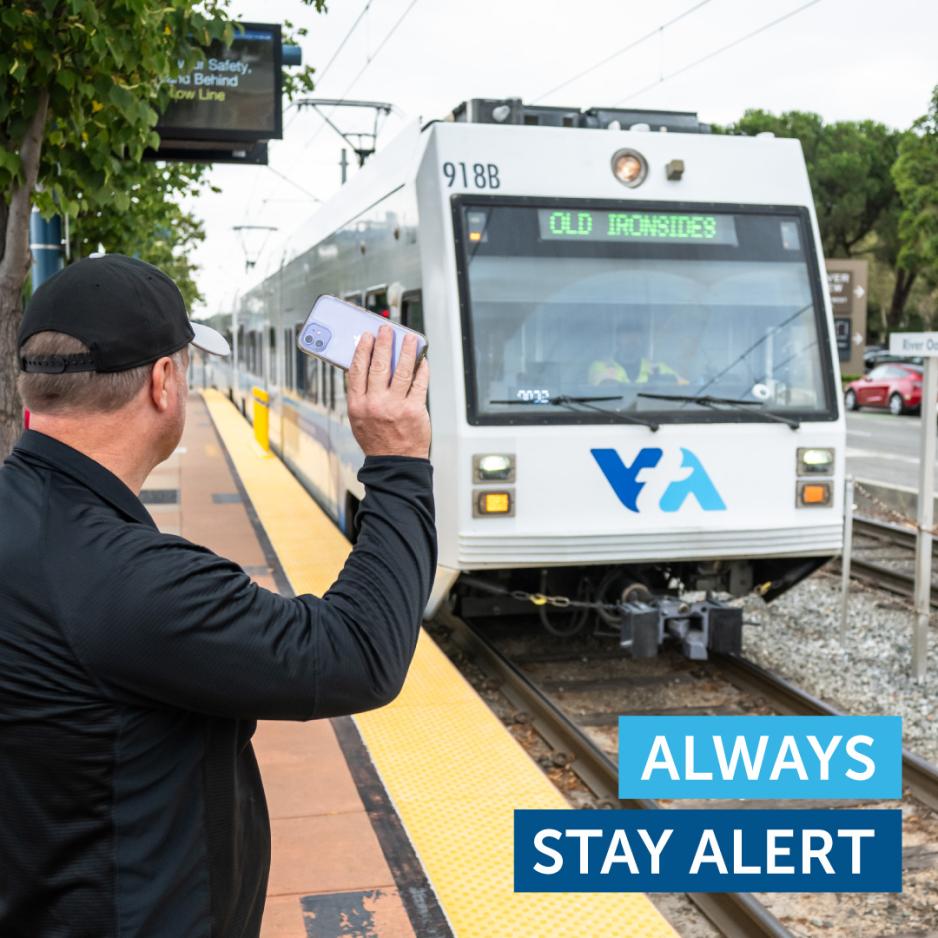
(625, 482)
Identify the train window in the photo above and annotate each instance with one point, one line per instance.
(313, 367)
(376, 301)
(332, 370)
(412, 311)
(288, 360)
(341, 389)
(588, 302)
(242, 350)
(299, 360)
(356, 297)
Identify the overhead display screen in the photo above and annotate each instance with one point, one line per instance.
(650, 227)
(232, 93)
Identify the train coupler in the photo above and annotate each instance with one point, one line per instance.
(700, 627)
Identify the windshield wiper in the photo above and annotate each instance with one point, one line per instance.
(714, 403)
(567, 401)
(562, 399)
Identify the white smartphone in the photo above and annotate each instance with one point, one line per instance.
(333, 328)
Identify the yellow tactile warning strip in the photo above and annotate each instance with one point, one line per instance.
(453, 772)
(310, 547)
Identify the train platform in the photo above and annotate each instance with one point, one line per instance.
(396, 822)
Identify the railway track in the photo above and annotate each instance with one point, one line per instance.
(737, 914)
(919, 776)
(876, 574)
(734, 914)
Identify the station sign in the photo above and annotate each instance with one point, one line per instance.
(914, 344)
(230, 101)
(847, 287)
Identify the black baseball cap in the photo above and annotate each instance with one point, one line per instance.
(129, 313)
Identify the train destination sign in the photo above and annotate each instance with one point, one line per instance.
(233, 93)
(666, 227)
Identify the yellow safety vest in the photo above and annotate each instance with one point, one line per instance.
(609, 370)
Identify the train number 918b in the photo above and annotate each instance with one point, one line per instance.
(472, 175)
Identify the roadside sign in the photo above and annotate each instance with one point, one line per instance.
(921, 344)
(846, 285)
(924, 344)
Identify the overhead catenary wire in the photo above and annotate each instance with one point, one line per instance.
(657, 31)
(716, 52)
(319, 77)
(295, 185)
(363, 69)
(345, 39)
(344, 95)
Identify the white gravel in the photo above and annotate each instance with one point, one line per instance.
(798, 636)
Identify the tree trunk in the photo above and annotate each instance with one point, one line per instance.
(14, 268)
(11, 410)
(900, 295)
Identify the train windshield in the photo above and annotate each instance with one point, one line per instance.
(574, 308)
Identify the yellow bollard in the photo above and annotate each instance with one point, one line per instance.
(261, 417)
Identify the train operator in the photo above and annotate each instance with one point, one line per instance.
(135, 663)
(629, 362)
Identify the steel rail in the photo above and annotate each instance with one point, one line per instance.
(736, 914)
(920, 776)
(884, 530)
(895, 581)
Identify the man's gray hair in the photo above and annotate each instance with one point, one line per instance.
(80, 391)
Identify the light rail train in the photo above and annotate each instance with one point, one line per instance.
(634, 390)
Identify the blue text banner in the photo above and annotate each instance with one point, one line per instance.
(760, 757)
(708, 851)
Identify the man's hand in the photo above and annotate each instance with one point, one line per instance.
(388, 413)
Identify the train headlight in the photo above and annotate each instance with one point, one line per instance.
(493, 467)
(815, 462)
(485, 503)
(814, 494)
(629, 167)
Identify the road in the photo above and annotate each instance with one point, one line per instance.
(883, 448)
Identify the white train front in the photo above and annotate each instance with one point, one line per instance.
(634, 391)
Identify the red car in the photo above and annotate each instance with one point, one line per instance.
(894, 385)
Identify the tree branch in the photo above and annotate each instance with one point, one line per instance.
(15, 262)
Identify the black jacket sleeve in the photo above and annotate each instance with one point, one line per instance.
(177, 625)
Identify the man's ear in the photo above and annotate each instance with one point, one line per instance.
(161, 377)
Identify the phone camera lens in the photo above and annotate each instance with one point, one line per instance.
(308, 339)
(319, 343)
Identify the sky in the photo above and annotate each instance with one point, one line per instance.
(844, 59)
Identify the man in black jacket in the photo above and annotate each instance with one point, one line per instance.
(133, 664)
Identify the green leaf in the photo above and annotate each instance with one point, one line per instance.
(9, 162)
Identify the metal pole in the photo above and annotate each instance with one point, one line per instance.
(926, 519)
(45, 243)
(235, 351)
(343, 163)
(845, 557)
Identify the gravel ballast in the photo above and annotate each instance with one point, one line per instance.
(798, 637)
